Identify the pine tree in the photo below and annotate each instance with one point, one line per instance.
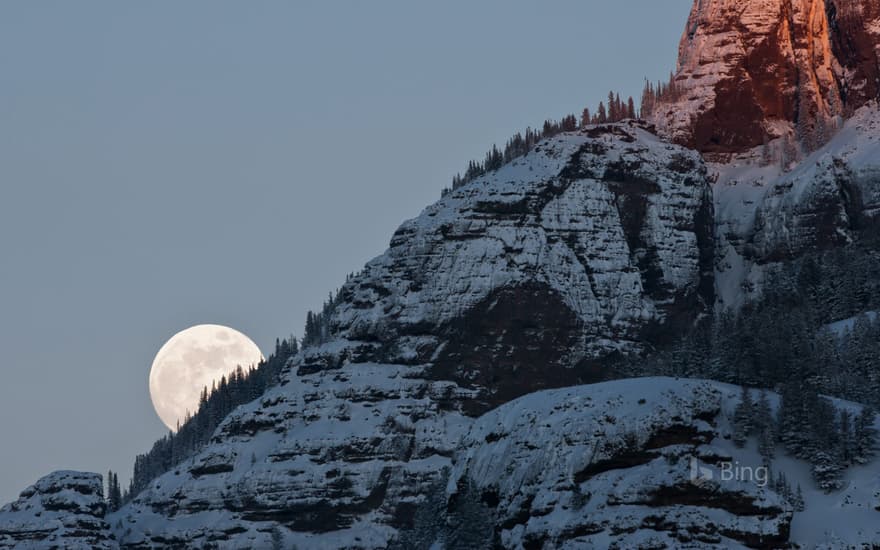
(630, 108)
(864, 436)
(742, 418)
(601, 115)
(794, 425)
(109, 496)
(114, 493)
(826, 471)
(783, 487)
(613, 114)
(585, 118)
(470, 523)
(845, 437)
(765, 425)
(798, 501)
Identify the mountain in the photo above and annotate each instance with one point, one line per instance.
(596, 242)
(750, 70)
(459, 384)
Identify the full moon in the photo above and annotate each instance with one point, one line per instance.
(191, 360)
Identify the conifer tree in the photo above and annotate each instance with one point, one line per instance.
(470, 524)
(585, 118)
(865, 436)
(798, 502)
(601, 115)
(765, 425)
(613, 114)
(743, 417)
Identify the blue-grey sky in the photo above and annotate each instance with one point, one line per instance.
(164, 164)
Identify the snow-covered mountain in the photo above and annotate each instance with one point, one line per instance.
(598, 241)
(452, 373)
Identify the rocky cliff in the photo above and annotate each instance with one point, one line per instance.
(345, 459)
(597, 242)
(61, 510)
(749, 70)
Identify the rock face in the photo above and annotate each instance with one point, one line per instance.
(613, 466)
(596, 242)
(749, 69)
(333, 459)
(61, 510)
(343, 459)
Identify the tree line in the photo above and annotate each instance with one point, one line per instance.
(615, 110)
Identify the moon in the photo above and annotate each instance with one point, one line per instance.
(191, 360)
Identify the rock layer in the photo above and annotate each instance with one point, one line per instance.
(750, 69)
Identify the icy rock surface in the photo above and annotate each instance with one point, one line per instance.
(343, 458)
(62, 510)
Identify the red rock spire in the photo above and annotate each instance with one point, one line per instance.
(753, 69)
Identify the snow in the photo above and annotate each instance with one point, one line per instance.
(368, 424)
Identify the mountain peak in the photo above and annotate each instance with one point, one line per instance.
(753, 70)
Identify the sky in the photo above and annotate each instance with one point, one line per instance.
(165, 164)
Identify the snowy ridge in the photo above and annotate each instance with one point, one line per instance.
(342, 459)
(331, 455)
